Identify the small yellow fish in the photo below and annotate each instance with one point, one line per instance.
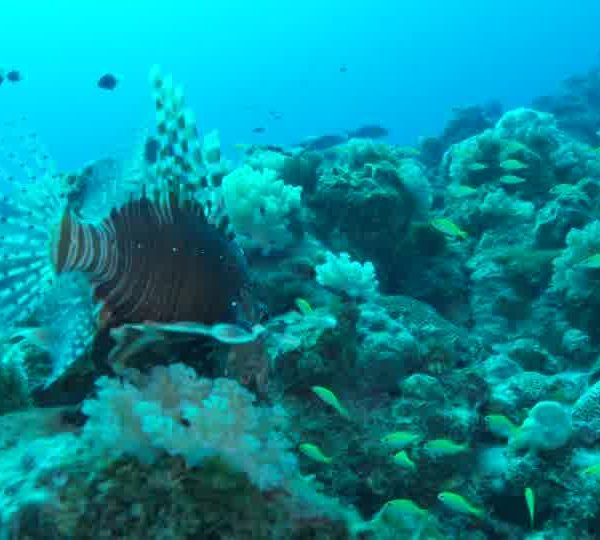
(513, 165)
(563, 189)
(397, 512)
(512, 180)
(405, 507)
(445, 447)
(513, 147)
(476, 167)
(331, 399)
(400, 439)
(448, 227)
(401, 458)
(500, 426)
(303, 306)
(592, 470)
(313, 452)
(459, 504)
(460, 190)
(530, 500)
(592, 262)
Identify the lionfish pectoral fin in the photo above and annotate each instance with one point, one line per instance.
(32, 204)
(66, 326)
(34, 335)
(231, 334)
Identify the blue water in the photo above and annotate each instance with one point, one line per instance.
(408, 63)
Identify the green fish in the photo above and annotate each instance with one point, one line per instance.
(460, 190)
(530, 500)
(592, 470)
(476, 167)
(404, 507)
(563, 189)
(401, 458)
(314, 452)
(400, 439)
(513, 165)
(331, 399)
(459, 504)
(500, 426)
(512, 147)
(303, 306)
(512, 180)
(445, 447)
(397, 512)
(449, 228)
(592, 262)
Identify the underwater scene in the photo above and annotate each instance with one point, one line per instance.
(309, 272)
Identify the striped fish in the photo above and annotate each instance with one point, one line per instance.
(156, 251)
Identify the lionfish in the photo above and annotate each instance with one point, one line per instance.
(158, 253)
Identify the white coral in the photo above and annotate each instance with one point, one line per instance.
(343, 275)
(173, 411)
(261, 207)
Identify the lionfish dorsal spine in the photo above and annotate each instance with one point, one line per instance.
(182, 168)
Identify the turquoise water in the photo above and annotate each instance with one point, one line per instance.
(382, 334)
(408, 63)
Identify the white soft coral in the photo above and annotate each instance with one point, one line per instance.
(342, 274)
(261, 207)
(174, 411)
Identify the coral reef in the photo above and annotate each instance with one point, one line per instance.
(420, 360)
(576, 106)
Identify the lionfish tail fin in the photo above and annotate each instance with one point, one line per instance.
(32, 203)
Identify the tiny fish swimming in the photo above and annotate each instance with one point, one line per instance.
(108, 81)
(160, 251)
(13, 76)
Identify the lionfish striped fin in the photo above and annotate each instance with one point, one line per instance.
(65, 327)
(32, 201)
(68, 318)
(184, 169)
(33, 204)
